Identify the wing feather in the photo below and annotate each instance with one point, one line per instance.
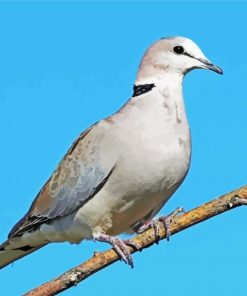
(78, 177)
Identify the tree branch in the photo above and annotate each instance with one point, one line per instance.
(101, 260)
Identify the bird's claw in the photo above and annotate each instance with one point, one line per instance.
(166, 220)
(120, 246)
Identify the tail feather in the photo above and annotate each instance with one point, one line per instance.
(8, 255)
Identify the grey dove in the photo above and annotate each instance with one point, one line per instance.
(122, 170)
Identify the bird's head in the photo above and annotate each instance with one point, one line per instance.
(176, 54)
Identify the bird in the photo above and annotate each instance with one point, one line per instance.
(122, 170)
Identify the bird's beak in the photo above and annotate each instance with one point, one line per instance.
(206, 64)
(210, 66)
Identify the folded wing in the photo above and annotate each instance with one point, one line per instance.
(79, 176)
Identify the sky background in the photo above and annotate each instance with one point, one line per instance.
(65, 65)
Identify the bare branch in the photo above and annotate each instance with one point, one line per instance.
(102, 259)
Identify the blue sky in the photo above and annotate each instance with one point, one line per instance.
(65, 65)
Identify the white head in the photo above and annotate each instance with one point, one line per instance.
(174, 54)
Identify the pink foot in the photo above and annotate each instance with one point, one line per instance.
(155, 224)
(120, 246)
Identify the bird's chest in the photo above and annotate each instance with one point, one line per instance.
(145, 176)
(158, 156)
(162, 165)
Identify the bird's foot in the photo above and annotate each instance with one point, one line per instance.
(167, 220)
(155, 224)
(120, 246)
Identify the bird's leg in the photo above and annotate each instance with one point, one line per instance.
(155, 224)
(166, 220)
(119, 245)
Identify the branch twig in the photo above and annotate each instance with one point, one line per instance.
(102, 259)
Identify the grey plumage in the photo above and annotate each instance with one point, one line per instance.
(78, 177)
(123, 169)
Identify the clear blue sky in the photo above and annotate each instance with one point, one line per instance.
(65, 65)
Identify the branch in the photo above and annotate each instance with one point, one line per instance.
(101, 260)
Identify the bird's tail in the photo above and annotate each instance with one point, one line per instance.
(9, 253)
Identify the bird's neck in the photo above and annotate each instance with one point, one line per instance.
(148, 72)
(166, 94)
(167, 82)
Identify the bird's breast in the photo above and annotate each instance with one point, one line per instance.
(155, 151)
(158, 165)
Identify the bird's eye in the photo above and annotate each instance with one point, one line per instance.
(178, 49)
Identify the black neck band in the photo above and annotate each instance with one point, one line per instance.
(142, 89)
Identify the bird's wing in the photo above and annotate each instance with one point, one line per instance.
(79, 176)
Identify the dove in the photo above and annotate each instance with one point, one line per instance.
(122, 170)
